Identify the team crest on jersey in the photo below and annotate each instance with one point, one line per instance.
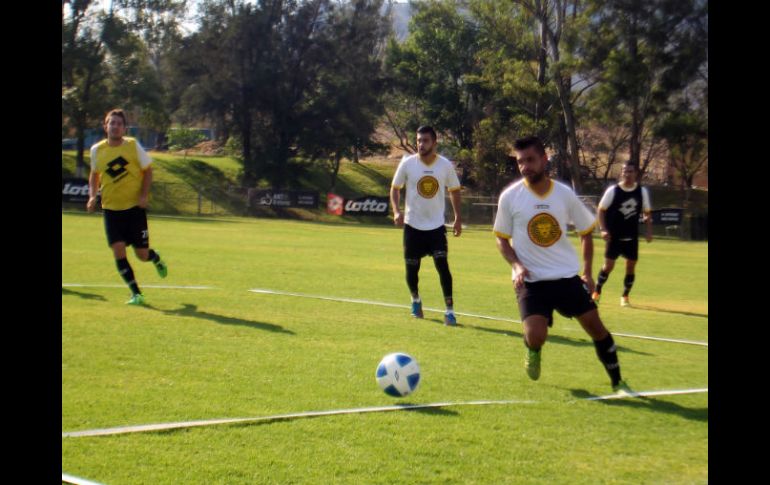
(427, 186)
(544, 230)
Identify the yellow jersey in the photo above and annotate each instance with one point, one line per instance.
(121, 171)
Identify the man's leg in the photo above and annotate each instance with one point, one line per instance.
(628, 281)
(535, 335)
(412, 280)
(125, 270)
(604, 274)
(445, 277)
(604, 344)
(147, 254)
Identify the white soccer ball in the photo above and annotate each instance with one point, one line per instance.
(398, 374)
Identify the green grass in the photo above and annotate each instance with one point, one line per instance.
(226, 352)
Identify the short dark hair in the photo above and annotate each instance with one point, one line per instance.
(427, 129)
(629, 163)
(117, 112)
(529, 141)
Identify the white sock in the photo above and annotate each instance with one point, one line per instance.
(416, 300)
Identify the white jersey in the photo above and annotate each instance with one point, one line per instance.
(537, 226)
(426, 187)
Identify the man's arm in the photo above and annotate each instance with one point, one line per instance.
(602, 213)
(93, 189)
(648, 226)
(509, 255)
(145, 192)
(587, 243)
(454, 198)
(395, 199)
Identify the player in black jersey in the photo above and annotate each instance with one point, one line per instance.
(619, 211)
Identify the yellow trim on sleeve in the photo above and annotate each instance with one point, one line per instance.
(589, 230)
(500, 234)
(399, 187)
(455, 189)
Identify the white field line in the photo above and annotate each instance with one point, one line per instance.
(109, 285)
(310, 414)
(65, 478)
(500, 319)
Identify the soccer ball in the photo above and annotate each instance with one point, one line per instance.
(398, 374)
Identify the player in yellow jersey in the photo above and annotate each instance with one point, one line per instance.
(122, 170)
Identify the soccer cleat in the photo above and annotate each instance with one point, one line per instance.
(161, 267)
(137, 299)
(621, 388)
(450, 320)
(624, 301)
(596, 297)
(417, 309)
(532, 364)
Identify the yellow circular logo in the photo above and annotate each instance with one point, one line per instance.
(427, 186)
(544, 230)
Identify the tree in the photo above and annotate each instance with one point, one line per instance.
(648, 51)
(433, 69)
(184, 139)
(686, 137)
(84, 73)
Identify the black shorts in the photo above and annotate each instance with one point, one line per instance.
(128, 226)
(419, 243)
(568, 296)
(627, 249)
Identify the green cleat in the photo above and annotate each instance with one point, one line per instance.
(137, 299)
(622, 389)
(532, 363)
(161, 267)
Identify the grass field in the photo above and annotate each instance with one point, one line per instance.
(225, 352)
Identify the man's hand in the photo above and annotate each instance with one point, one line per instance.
(589, 282)
(398, 218)
(648, 237)
(143, 201)
(457, 227)
(606, 235)
(520, 272)
(91, 204)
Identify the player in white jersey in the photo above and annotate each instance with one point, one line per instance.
(531, 230)
(619, 210)
(427, 177)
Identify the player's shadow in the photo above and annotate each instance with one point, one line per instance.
(437, 411)
(650, 404)
(81, 294)
(557, 339)
(665, 310)
(189, 310)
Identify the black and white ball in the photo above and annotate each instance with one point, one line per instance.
(398, 374)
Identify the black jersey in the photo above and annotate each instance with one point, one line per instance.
(623, 213)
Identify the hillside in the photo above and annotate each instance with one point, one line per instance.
(207, 185)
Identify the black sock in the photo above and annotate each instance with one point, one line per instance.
(412, 272)
(628, 282)
(601, 280)
(153, 256)
(124, 268)
(607, 353)
(445, 276)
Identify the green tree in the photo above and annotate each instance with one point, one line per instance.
(184, 139)
(648, 51)
(435, 68)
